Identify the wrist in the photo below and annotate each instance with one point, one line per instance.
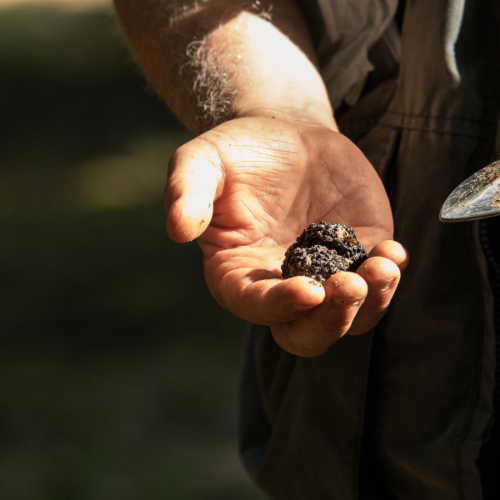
(311, 115)
(213, 61)
(267, 74)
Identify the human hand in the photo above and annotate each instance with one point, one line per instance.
(246, 189)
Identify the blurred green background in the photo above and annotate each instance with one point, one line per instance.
(118, 371)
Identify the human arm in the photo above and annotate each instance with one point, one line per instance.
(227, 52)
(272, 163)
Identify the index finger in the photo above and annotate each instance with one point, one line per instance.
(312, 334)
(260, 297)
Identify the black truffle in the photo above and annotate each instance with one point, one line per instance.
(323, 249)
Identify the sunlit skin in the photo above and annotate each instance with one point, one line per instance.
(247, 188)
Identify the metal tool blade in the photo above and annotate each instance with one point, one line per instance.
(478, 197)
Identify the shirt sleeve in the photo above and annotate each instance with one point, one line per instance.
(345, 33)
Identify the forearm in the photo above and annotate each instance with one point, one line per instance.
(225, 59)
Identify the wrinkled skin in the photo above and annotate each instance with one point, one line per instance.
(246, 189)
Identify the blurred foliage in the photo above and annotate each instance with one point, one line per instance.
(69, 89)
(119, 371)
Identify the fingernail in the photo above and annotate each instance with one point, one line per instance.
(348, 301)
(385, 285)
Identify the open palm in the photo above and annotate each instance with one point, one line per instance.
(247, 189)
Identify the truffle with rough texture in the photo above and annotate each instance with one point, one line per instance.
(323, 249)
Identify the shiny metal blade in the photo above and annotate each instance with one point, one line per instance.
(478, 197)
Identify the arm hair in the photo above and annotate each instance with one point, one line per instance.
(189, 51)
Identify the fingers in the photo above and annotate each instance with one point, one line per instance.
(394, 251)
(260, 297)
(312, 333)
(195, 174)
(354, 303)
(382, 277)
(382, 272)
(305, 317)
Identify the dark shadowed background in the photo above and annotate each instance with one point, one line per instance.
(118, 371)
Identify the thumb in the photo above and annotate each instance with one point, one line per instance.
(194, 177)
